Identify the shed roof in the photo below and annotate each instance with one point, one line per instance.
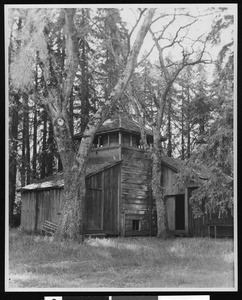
(172, 162)
(57, 181)
(176, 164)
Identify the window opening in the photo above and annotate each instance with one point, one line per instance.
(136, 225)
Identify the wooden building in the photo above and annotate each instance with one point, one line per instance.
(181, 220)
(118, 196)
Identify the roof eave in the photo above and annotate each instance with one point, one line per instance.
(170, 166)
(60, 186)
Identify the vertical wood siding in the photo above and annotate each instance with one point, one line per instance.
(28, 212)
(38, 206)
(102, 204)
(169, 181)
(102, 201)
(170, 211)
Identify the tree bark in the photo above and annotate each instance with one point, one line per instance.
(188, 124)
(51, 150)
(169, 150)
(182, 129)
(157, 188)
(71, 225)
(27, 137)
(44, 146)
(85, 105)
(25, 142)
(13, 135)
(34, 155)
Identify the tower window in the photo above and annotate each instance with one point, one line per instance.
(136, 225)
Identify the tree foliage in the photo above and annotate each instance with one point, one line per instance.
(213, 159)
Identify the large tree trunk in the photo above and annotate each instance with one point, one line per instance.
(85, 105)
(74, 164)
(74, 199)
(157, 188)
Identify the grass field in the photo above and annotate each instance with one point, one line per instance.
(37, 262)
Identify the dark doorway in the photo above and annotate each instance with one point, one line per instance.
(180, 212)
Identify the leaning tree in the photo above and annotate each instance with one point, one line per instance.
(38, 36)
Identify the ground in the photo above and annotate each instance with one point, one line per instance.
(144, 262)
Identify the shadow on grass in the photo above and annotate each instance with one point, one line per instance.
(120, 262)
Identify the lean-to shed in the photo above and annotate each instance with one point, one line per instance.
(180, 217)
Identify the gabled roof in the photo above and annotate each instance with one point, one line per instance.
(57, 181)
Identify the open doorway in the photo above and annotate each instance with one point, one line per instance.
(175, 208)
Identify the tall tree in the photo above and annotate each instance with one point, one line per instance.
(169, 70)
(57, 94)
(214, 157)
(14, 107)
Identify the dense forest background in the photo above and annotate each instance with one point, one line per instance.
(193, 75)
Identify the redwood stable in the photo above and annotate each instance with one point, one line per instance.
(118, 190)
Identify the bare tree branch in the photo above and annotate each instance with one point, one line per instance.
(146, 56)
(165, 27)
(132, 30)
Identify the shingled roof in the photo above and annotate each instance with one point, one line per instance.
(172, 162)
(94, 165)
(121, 121)
(176, 164)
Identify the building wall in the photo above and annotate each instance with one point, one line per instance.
(28, 210)
(135, 192)
(168, 178)
(199, 226)
(102, 204)
(102, 201)
(109, 153)
(38, 206)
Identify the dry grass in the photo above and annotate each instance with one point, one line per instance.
(37, 262)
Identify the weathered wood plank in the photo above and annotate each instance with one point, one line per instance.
(137, 233)
(105, 152)
(134, 188)
(130, 206)
(126, 179)
(136, 216)
(134, 152)
(135, 211)
(135, 200)
(133, 172)
(134, 194)
(135, 182)
(49, 227)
